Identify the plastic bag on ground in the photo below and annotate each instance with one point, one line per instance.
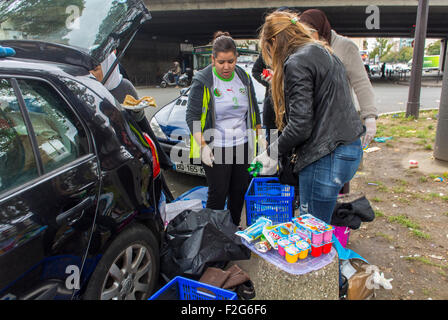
(174, 208)
(195, 240)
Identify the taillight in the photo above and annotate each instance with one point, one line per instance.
(155, 156)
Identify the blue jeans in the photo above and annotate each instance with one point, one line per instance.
(320, 182)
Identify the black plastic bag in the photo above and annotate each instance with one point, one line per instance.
(195, 240)
(350, 213)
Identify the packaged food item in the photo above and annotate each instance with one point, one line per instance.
(254, 231)
(328, 233)
(326, 248)
(276, 232)
(263, 246)
(292, 253)
(282, 244)
(314, 228)
(413, 164)
(316, 250)
(299, 235)
(303, 247)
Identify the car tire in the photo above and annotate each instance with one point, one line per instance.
(129, 269)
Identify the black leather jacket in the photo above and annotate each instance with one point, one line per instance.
(319, 107)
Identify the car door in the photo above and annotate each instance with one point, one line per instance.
(48, 192)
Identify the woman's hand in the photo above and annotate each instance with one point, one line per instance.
(269, 165)
(207, 156)
(370, 124)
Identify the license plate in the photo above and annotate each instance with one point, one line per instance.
(190, 169)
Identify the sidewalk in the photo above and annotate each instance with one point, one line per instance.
(429, 81)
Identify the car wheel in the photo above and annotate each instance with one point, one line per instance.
(129, 268)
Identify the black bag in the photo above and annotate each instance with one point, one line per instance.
(195, 240)
(351, 210)
(286, 173)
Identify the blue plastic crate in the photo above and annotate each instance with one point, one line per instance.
(266, 197)
(181, 288)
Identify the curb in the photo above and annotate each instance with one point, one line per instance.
(396, 112)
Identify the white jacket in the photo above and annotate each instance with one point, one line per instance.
(348, 52)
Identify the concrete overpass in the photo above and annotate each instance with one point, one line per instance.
(194, 22)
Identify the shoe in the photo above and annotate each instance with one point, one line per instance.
(246, 290)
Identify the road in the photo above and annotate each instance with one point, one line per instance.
(389, 98)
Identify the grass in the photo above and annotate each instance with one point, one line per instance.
(428, 147)
(404, 221)
(385, 236)
(398, 126)
(376, 199)
(379, 214)
(404, 200)
(408, 223)
(399, 189)
(423, 179)
(445, 214)
(420, 234)
(429, 196)
(380, 186)
(401, 182)
(426, 261)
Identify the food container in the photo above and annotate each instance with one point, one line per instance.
(413, 164)
(277, 232)
(292, 253)
(328, 234)
(282, 244)
(326, 248)
(304, 248)
(316, 251)
(314, 228)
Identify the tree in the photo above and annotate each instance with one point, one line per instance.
(381, 49)
(433, 49)
(404, 55)
(37, 18)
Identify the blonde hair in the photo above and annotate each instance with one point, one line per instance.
(289, 35)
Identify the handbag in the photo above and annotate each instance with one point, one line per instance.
(286, 173)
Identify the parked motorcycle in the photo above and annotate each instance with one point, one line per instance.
(169, 80)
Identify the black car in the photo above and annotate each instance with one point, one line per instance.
(80, 183)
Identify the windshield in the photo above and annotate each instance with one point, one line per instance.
(93, 25)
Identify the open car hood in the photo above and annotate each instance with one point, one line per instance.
(80, 32)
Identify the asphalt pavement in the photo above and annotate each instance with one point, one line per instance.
(389, 97)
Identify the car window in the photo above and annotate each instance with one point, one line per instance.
(17, 162)
(59, 134)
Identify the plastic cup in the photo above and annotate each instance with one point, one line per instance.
(291, 253)
(316, 251)
(303, 254)
(328, 235)
(326, 248)
(282, 243)
(317, 238)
